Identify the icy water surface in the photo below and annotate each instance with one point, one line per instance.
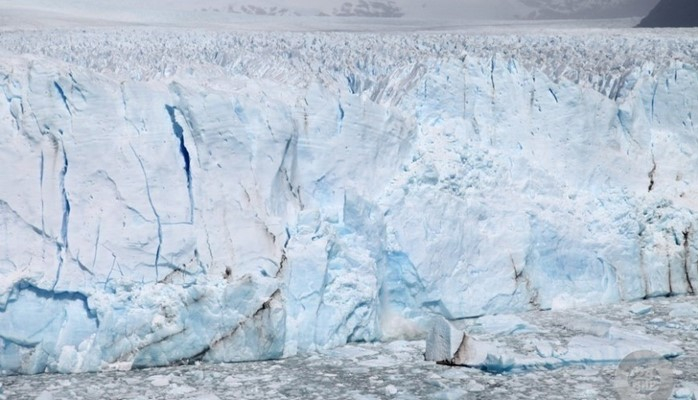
(394, 370)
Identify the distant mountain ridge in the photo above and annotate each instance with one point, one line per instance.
(365, 8)
(672, 14)
(360, 8)
(436, 10)
(595, 9)
(471, 9)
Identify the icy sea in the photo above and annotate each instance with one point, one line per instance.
(397, 370)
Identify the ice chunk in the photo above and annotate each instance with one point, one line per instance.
(443, 342)
(449, 345)
(159, 380)
(502, 325)
(614, 346)
(202, 396)
(683, 310)
(593, 341)
(45, 395)
(640, 309)
(451, 394)
(687, 391)
(587, 326)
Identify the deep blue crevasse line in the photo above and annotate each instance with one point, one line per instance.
(179, 133)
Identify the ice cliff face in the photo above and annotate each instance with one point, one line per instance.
(298, 191)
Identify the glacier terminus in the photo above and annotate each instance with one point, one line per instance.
(177, 196)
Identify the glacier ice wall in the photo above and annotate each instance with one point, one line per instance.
(285, 201)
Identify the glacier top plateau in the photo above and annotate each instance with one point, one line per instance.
(576, 54)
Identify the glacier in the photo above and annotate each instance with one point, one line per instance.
(171, 197)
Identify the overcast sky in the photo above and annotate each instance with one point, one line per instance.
(445, 8)
(411, 8)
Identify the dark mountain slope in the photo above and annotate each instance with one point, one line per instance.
(672, 13)
(595, 9)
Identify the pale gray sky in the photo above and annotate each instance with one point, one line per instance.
(444, 8)
(433, 9)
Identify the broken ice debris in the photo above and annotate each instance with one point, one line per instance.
(577, 342)
(448, 345)
(640, 309)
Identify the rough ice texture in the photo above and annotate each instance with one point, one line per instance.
(443, 341)
(512, 344)
(451, 346)
(170, 197)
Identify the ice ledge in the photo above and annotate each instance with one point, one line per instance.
(584, 341)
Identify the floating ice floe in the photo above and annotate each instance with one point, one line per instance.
(584, 342)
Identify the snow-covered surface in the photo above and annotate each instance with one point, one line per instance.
(395, 370)
(172, 196)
